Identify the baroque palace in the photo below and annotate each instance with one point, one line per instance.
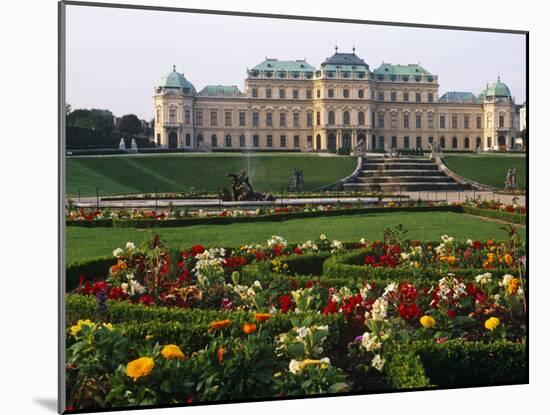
(291, 105)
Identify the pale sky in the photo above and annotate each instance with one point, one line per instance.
(115, 57)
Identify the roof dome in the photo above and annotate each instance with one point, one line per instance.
(176, 80)
(498, 89)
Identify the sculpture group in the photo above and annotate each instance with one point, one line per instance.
(296, 181)
(241, 190)
(511, 180)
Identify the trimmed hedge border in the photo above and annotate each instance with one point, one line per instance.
(278, 217)
(496, 214)
(91, 270)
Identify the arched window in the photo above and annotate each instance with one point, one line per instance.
(242, 141)
(318, 141)
(361, 118)
(466, 142)
(228, 141)
(214, 141)
(331, 117)
(442, 142)
(478, 142)
(346, 118)
(199, 140)
(318, 120)
(455, 142)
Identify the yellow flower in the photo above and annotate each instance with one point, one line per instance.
(490, 258)
(171, 351)
(492, 323)
(140, 367)
(427, 322)
(149, 337)
(416, 264)
(221, 324)
(310, 362)
(78, 327)
(108, 326)
(508, 259)
(451, 259)
(513, 286)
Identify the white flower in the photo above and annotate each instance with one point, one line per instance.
(389, 288)
(325, 360)
(506, 280)
(322, 237)
(378, 362)
(405, 256)
(130, 246)
(483, 279)
(469, 242)
(336, 245)
(379, 309)
(294, 367)
(117, 253)
(302, 332)
(362, 241)
(257, 284)
(370, 342)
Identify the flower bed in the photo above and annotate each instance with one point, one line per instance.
(208, 324)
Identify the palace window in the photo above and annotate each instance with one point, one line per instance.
(360, 93)
(242, 141)
(309, 119)
(242, 118)
(418, 97)
(430, 140)
(158, 116)
(158, 139)
(442, 121)
(254, 92)
(394, 142)
(466, 121)
(255, 119)
(256, 140)
(331, 93)
(501, 121)
(308, 93)
(393, 120)
(430, 120)
(283, 141)
(466, 142)
(296, 141)
(346, 118)
(318, 120)
(295, 93)
(346, 93)
(228, 118)
(380, 95)
(270, 141)
(381, 143)
(454, 121)
(406, 96)
(282, 93)
(269, 119)
(296, 119)
(318, 93)
(418, 142)
(372, 94)
(310, 141)
(268, 93)
(228, 141)
(455, 142)
(187, 139)
(213, 117)
(418, 120)
(489, 142)
(381, 120)
(478, 122)
(331, 118)
(187, 117)
(406, 143)
(406, 120)
(442, 142)
(282, 119)
(172, 115)
(393, 96)
(198, 116)
(430, 97)
(361, 118)
(214, 141)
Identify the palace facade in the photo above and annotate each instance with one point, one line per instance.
(291, 105)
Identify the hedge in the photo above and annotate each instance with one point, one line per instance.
(496, 214)
(90, 270)
(278, 217)
(191, 325)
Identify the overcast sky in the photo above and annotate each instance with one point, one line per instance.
(115, 57)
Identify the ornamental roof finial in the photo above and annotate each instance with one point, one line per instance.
(336, 48)
(174, 67)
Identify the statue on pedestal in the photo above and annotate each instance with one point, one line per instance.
(296, 181)
(122, 144)
(134, 145)
(241, 190)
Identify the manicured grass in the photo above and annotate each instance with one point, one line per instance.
(198, 172)
(488, 169)
(86, 243)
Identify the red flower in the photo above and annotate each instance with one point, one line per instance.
(285, 302)
(451, 313)
(197, 249)
(331, 307)
(115, 293)
(146, 299)
(298, 251)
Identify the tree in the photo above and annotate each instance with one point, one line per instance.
(67, 109)
(129, 124)
(93, 119)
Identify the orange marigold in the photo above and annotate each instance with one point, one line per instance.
(221, 352)
(508, 259)
(249, 328)
(221, 324)
(140, 367)
(451, 259)
(513, 286)
(172, 351)
(261, 317)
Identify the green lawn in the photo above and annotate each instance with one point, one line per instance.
(488, 169)
(199, 172)
(85, 243)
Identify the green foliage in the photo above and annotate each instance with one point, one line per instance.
(129, 124)
(404, 370)
(90, 270)
(495, 214)
(92, 119)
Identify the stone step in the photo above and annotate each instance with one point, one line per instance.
(399, 160)
(394, 173)
(399, 166)
(405, 179)
(405, 187)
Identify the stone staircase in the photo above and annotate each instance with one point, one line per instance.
(406, 174)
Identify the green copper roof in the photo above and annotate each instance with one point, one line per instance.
(410, 70)
(221, 91)
(498, 89)
(454, 96)
(284, 66)
(176, 80)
